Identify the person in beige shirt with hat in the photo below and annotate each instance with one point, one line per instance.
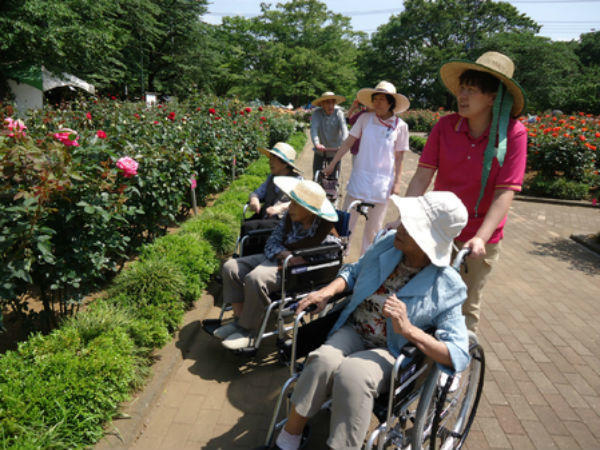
(327, 128)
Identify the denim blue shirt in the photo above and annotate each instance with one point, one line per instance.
(433, 299)
(276, 242)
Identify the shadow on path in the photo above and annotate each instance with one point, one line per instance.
(567, 250)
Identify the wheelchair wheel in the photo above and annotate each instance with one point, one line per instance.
(444, 422)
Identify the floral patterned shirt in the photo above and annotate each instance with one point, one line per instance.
(367, 319)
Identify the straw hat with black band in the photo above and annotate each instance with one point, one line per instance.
(329, 96)
(284, 152)
(494, 63)
(510, 101)
(308, 194)
(365, 95)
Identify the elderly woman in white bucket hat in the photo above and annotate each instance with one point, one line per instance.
(402, 285)
(479, 154)
(378, 164)
(247, 281)
(268, 202)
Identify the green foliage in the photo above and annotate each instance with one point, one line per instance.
(556, 187)
(410, 48)
(291, 52)
(154, 45)
(195, 259)
(57, 391)
(70, 217)
(417, 143)
(421, 119)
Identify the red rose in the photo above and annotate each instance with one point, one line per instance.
(212, 111)
(248, 109)
(113, 97)
(101, 134)
(260, 108)
(88, 116)
(263, 118)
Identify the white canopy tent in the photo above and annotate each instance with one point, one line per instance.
(28, 85)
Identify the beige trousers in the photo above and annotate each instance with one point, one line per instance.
(250, 279)
(475, 278)
(372, 225)
(343, 369)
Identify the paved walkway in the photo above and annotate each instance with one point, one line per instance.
(540, 330)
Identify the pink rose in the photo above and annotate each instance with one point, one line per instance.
(193, 183)
(68, 137)
(16, 127)
(128, 165)
(101, 134)
(88, 116)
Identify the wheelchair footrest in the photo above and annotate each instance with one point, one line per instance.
(246, 351)
(210, 325)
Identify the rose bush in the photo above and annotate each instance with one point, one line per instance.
(563, 155)
(85, 186)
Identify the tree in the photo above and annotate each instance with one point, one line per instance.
(293, 52)
(588, 49)
(410, 48)
(546, 70)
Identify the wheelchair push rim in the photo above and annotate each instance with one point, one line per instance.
(446, 413)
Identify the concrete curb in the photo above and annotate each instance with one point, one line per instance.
(554, 201)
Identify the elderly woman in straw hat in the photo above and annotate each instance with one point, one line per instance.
(327, 128)
(268, 202)
(247, 281)
(402, 285)
(378, 164)
(479, 154)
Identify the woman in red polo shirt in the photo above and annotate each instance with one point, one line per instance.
(479, 154)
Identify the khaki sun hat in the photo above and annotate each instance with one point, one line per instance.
(494, 63)
(433, 221)
(329, 96)
(283, 151)
(308, 194)
(383, 87)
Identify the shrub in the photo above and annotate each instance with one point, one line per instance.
(194, 258)
(563, 147)
(421, 120)
(417, 143)
(556, 188)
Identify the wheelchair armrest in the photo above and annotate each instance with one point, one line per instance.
(409, 350)
(335, 298)
(317, 250)
(260, 232)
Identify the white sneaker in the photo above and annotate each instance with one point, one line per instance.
(224, 331)
(237, 340)
(443, 379)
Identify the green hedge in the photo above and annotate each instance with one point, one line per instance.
(59, 390)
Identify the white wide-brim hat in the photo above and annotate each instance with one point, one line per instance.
(329, 96)
(283, 151)
(309, 195)
(494, 63)
(433, 220)
(365, 95)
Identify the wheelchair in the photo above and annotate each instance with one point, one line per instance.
(329, 183)
(421, 408)
(297, 281)
(251, 240)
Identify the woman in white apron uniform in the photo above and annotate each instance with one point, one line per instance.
(378, 164)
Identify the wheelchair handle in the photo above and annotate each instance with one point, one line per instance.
(460, 258)
(310, 308)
